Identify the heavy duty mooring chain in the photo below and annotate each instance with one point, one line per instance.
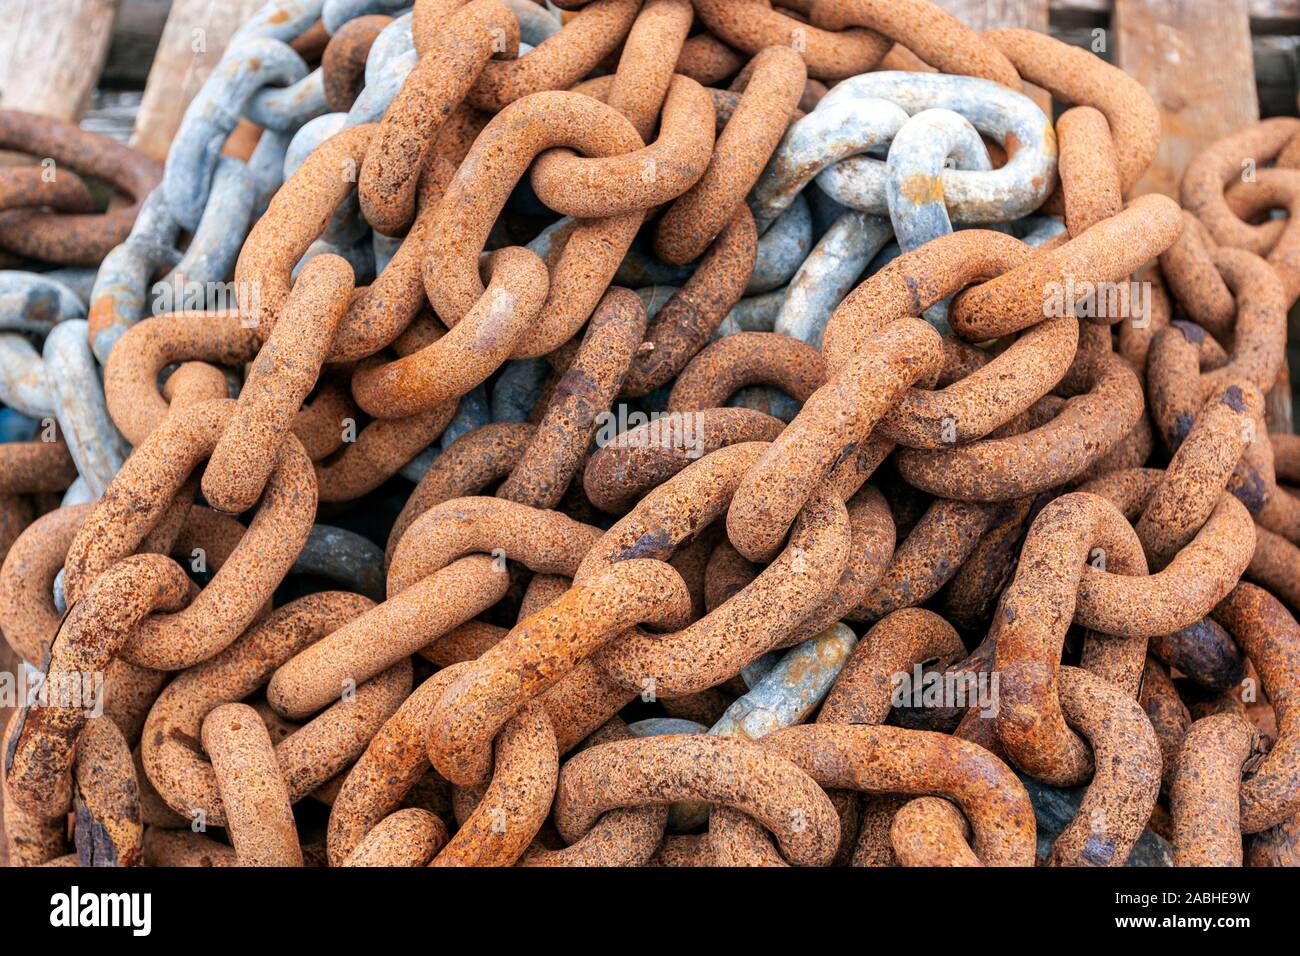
(743, 435)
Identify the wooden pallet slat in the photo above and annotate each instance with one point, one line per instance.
(1195, 59)
(51, 52)
(192, 42)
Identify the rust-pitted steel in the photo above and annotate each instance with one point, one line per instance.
(658, 770)
(408, 837)
(927, 30)
(1210, 170)
(623, 471)
(516, 801)
(106, 798)
(863, 693)
(298, 215)
(325, 745)
(1205, 802)
(469, 465)
(688, 320)
(1183, 592)
(754, 620)
(344, 61)
(893, 760)
(450, 63)
(475, 196)
(646, 67)
(74, 238)
(733, 362)
(582, 395)
(282, 376)
(1269, 636)
(539, 651)
(1126, 781)
(138, 498)
(927, 559)
(833, 421)
(259, 817)
(742, 150)
(646, 177)
(1000, 469)
(930, 831)
(392, 763)
(1036, 610)
(472, 350)
(131, 375)
(1110, 251)
(753, 25)
(38, 761)
(1072, 76)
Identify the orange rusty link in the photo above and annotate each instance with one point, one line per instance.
(38, 763)
(343, 64)
(747, 358)
(518, 799)
(1210, 170)
(71, 238)
(1270, 637)
(469, 465)
(1075, 76)
(753, 25)
(476, 195)
(469, 353)
(930, 831)
(281, 377)
(646, 65)
(138, 497)
(646, 177)
(1204, 802)
(392, 763)
(135, 402)
(297, 216)
(582, 395)
(1036, 609)
(1110, 251)
(1124, 788)
(926, 29)
(449, 65)
(644, 457)
(180, 775)
(657, 770)
(837, 417)
(539, 652)
(1000, 469)
(743, 148)
(259, 816)
(688, 320)
(893, 760)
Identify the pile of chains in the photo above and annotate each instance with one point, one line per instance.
(816, 459)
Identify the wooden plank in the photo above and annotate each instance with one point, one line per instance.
(51, 52)
(192, 42)
(1195, 59)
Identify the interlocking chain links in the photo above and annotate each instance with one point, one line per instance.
(999, 408)
(308, 757)
(138, 497)
(1267, 632)
(464, 218)
(77, 236)
(447, 70)
(971, 196)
